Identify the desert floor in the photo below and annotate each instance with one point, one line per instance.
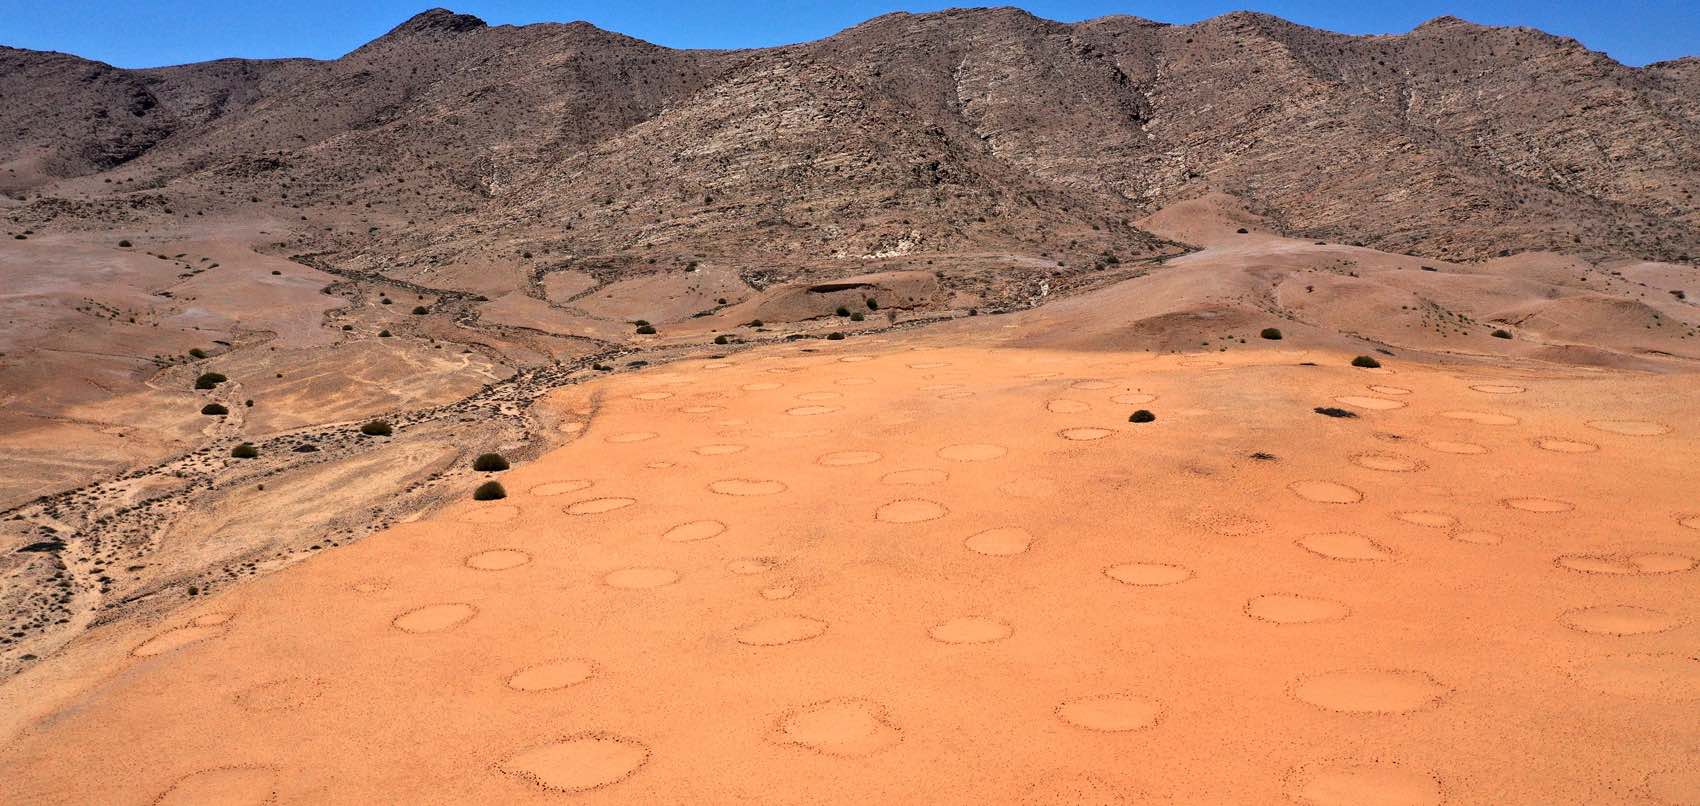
(943, 567)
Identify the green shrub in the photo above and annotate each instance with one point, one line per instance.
(244, 451)
(209, 380)
(125, 244)
(197, 353)
(1271, 333)
(857, 317)
(1502, 334)
(873, 304)
(214, 409)
(641, 322)
(384, 334)
(1331, 411)
(842, 311)
(489, 491)
(646, 330)
(420, 310)
(1142, 416)
(722, 340)
(756, 323)
(376, 428)
(1365, 362)
(490, 463)
(835, 336)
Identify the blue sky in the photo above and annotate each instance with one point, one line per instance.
(145, 33)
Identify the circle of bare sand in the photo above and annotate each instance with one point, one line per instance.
(1561, 445)
(692, 531)
(1354, 782)
(282, 694)
(1091, 385)
(1674, 787)
(839, 727)
(582, 762)
(761, 386)
(1370, 691)
(597, 506)
(1344, 546)
(1629, 428)
(640, 578)
(747, 487)
(1498, 388)
(1004, 541)
(175, 639)
(1148, 575)
(972, 452)
(719, 449)
(750, 566)
(940, 387)
(552, 675)
(225, 786)
(1431, 520)
(212, 619)
(631, 436)
(1628, 564)
(1371, 403)
(970, 630)
(1479, 417)
(1084, 434)
(1325, 492)
(652, 395)
(700, 409)
(1111, 713)
(497, 559)
(571, 427)
(1293, 608)
(1388, 390)
(848, 458)
(778, 592)
(1388, 462)
(911, 510)
(1618, 619)
(370, 585)
(812, 411)
(561, 487)
(780, 630)
(1460, 448)
(1200, 362)
(1065, 406)
(1477, 537)
(434, 617)
(1540, 506)
(929, 364)
(814, 397)
(496, 513)
(1659, 676)
(855, 381)
(918, 477)
(853, 359)
(1133, 398)
(1688, 521)
(1225, 523)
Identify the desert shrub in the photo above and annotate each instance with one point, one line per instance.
(1502, 334)
(420, 310)
(641, 322)
(835, 336)
(376, 428)
(197, 353)
(347, 327)
(306, 448)
(125, 244)
(601, 367)
(209, 380)
(873, 304)
(722, 340)
(1271, 333)
(842, 311)
(1142, 416)
(490, 463)
(244, 451)
(857, 317)
(646, 330)
(1330, 411)
(276, 273)
(1264, 456)
(756, 323)
(1241, 230)
(384, 334)
(1365, 362)
(385, 301)
(214, 409)
(489, 491)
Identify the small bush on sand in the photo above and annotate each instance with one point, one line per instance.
(244, 451)
(1330, 411)
(757, 323)
(1142, 416)
(722, 340)
(125, 244)
(1502, 334)
(214, 409)
(209, 380)
(646, 330)
(384, 334)
(197, 353)
(835, 336)
(376, 428)
(1271, 333)
(1365, 362)
(306, 448)
(873, 304)
(842, 311)
(420, 310)
(490, 463)
(489, 491)
(857, 317)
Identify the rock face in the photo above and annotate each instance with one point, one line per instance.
(964, 131)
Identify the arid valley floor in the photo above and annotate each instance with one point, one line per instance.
(819, 391)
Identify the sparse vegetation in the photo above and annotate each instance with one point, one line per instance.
(1331, 411)
(1271, 333)
(721, 339)
(857, 317)
(1502, 334)
(197, 353)
(489, 491)
(1365, 362)
(420, 310)
(214, 409)
(125, 244)
(384, 334)
(835, 336)
(376, 428)
(209, 380)
(873, 304)
(646, 330)
(244, 451)
(1142, 416)
(842, 311)
(490, 463)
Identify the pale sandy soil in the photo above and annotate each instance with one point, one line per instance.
(936, 567)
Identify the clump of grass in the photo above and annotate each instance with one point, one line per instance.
(835, 336)
(214, 409)
(842, 311)
(1263, 456)
(873, 304)
(1501, 334)
(490, 463)
(489, 491)
(1142, 416)
(721, 339)
(376, 428)
(244, 451)
(857, 317)
(646, 330)
(209, 380)
(1365, 362)
(306, 448)
(1331, 411)
(197, 353)
(1271, 333)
